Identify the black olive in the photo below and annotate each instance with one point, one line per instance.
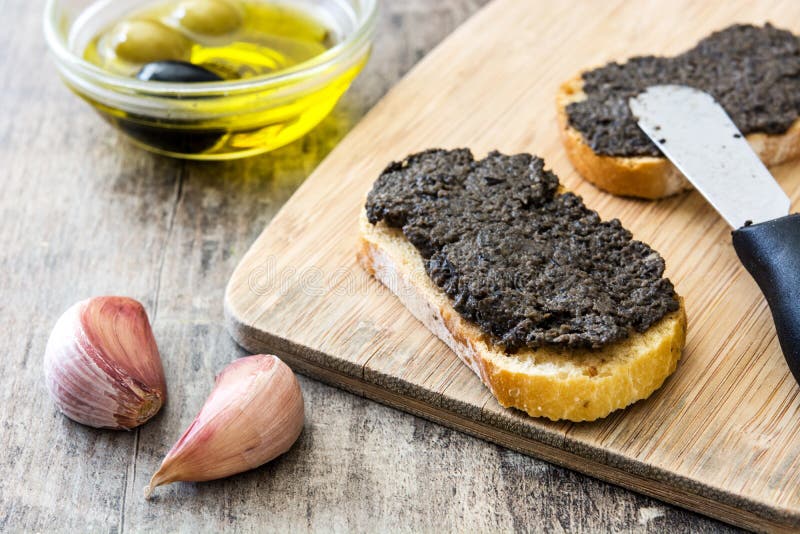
(167, 137)
(176, 71)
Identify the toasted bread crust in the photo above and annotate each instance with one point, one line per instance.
(646, 176)
(576, 385)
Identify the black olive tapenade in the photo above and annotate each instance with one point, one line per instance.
(754, 72)
(530, 266)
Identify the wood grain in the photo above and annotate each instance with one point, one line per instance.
(718, 438)
(83, 212)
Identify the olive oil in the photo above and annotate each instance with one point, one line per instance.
(234, 40)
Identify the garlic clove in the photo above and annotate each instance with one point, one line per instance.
(254, 414)
(102, 365)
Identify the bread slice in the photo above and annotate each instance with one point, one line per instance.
(647, 176)
(577, 385)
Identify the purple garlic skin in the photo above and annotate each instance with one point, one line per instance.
(102, 366)
(254, 414)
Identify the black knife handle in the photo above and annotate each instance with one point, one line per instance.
(771, 252)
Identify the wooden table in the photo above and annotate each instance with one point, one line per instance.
(83, 212)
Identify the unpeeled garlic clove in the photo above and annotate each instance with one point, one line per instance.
(253, 415)
(102, 365)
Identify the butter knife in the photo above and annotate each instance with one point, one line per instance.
(698, 136)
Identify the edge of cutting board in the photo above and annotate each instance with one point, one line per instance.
(616, 469)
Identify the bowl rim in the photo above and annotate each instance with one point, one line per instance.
(352, 44)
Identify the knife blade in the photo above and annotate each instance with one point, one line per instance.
(697, 135)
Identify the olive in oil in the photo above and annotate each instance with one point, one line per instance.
(234, 40)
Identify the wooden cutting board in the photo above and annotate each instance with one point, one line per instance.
(721, 437)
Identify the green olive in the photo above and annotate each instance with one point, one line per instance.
(209, 17)
(143, 41)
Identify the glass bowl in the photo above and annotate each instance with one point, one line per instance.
(213, 120)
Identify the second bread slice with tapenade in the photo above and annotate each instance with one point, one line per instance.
(753, 71)
(560, 314)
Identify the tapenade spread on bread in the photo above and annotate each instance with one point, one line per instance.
(530, 266)
(752, 71)
(560, 314)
